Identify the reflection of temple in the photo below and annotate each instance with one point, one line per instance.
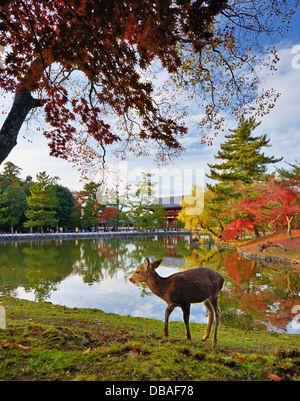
(171, 242)
(172, 207)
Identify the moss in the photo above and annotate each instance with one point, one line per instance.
(51, 342)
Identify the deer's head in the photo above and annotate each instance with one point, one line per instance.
(143, 270)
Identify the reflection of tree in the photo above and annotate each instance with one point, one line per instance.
(204, 256)
(105, 258)
(257, 295)
(40, 266)
(36, 266)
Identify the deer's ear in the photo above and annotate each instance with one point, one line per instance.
(156, 263)
(146, 263)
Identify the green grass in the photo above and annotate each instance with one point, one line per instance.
(43, 341)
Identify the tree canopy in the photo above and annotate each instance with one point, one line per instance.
(86, 66)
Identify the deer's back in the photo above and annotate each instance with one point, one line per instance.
(194, 285)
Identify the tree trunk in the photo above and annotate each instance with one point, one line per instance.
(23, 103)
(289, 230)
(256, 232)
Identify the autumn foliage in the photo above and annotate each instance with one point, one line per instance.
(87, 67)
(107, 214)
(267, 205)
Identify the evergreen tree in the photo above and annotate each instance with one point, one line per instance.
(17, 206)
(11, 170)
(42, 202)
(16, 191)
(242, 159)
(292, 176)
(65, 206)
(90, 206)
(10, 175)
(3, 209)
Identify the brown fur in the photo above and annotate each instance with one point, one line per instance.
(201, 284)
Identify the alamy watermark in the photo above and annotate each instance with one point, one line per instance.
(296, 58)
(296, 319)
(2, 318)
(170, 186)
(2, 58)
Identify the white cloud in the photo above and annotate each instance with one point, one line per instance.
(33, 157)
(282, 125)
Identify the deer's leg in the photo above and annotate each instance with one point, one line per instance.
(210, 319)
(186, 318)
(214, 304)
(168, 312)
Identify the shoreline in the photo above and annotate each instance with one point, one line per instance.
(276, 256)
(267, 259)
(84, 235)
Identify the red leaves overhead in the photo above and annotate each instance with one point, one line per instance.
(84, 59)
(88, 61)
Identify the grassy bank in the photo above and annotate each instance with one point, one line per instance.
(293, 246)
(43, 341)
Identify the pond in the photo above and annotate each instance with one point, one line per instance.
(95, 274)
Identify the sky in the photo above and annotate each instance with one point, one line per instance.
(282, 127)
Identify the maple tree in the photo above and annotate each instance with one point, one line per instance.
(105, 215)
(197, 216)
(85, 67)
(265, 204)
(291, 178)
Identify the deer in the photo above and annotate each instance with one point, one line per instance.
(201, 284)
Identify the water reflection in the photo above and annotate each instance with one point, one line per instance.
(95, 273)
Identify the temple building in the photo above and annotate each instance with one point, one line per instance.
(172, 206)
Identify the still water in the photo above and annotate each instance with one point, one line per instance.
(95, 274)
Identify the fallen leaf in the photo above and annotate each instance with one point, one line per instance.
(274, 378)
(104, 337)
(241, 358)
(22, 346)
(133, 352)
(183, 333)
(87, 350)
